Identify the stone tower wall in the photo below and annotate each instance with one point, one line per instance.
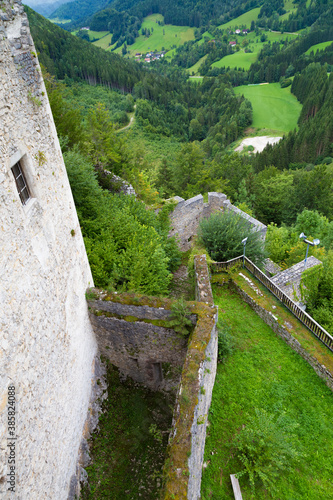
(47, 346)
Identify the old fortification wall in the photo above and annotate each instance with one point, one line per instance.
(135, 335)
(47, 346)
(187, 214)
(137, 338)
(183, 467)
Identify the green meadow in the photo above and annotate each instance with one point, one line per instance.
(263, 373)
(318, 47)
(104, 42)
(239, 59)
(273, 107)
(206, 34)
(162, 36)
(195, 68)
(243, 20)
(242, 59)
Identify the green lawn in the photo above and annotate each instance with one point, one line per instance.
(273, 107)
(244, 19)
(173, 35)
(264, 373)
(319, 46)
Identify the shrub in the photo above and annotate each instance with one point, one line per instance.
(179, 319)
(265, 448)
(222, 234)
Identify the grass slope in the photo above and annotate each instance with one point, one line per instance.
(195, 68)
(243, 59)
(264, 373)
(273, 107)
(173, 35)
(244, 19)
(319, 46)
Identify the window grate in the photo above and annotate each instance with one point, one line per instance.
(21, 183)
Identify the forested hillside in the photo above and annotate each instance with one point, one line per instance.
(182, 138)
(65, 55)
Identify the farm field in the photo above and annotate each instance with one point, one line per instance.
(273, 107)
(264, 374)
(319, 46)
(244, 19)
(173, 35)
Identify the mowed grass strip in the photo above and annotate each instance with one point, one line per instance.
(162, 37)
(273, 107)
(264, 372)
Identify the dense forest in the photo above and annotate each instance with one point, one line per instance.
(288, 186)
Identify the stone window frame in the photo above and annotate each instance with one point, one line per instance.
(27, 167)
(21, 183)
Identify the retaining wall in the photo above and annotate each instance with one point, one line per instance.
(268, 318)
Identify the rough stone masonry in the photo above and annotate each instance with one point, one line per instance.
(47, 346)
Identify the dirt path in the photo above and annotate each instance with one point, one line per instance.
(132, 119)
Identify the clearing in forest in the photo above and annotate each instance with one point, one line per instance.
(274, 108)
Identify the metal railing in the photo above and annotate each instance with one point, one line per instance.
(297, 311)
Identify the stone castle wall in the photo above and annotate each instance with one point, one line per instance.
(136, 338)
(47, 346)
(187, 215)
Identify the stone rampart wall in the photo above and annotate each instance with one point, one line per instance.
(137, 339)
(184, 463)
(47, 345)
(187, 215)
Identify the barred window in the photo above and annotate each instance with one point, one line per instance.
(21, 183)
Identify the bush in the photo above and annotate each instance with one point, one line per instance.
(180, 321)
(223, 233)
(265, 448)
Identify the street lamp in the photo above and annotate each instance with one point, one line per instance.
(312, 243)
(244, 243)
